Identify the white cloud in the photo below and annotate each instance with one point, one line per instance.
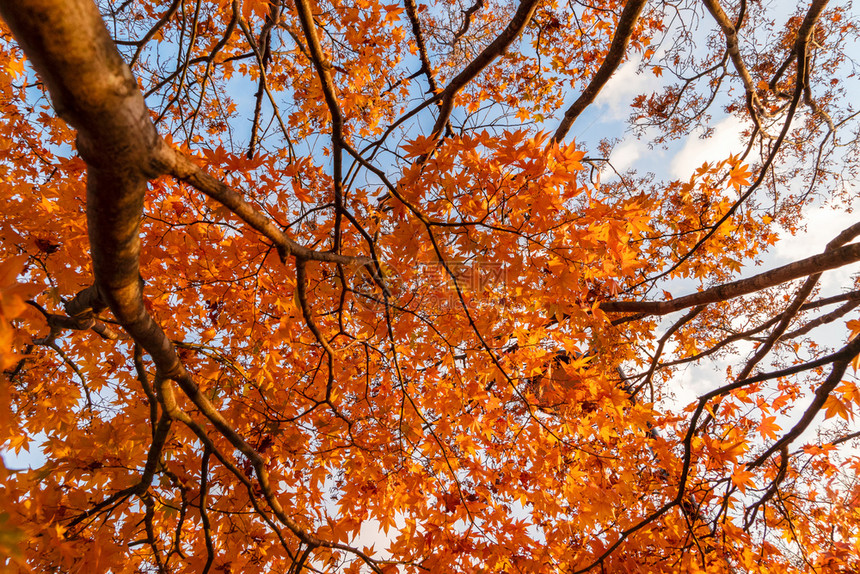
(822, 225)
(626, 153)
(723, 142)
(624, 85)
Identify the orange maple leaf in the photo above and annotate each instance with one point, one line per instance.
(739, 176)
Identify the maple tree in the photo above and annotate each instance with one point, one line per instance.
(274, 270)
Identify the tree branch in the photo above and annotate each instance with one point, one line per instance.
(802, 268)
(617, 51)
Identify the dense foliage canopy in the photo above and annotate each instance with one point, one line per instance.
(276, 275)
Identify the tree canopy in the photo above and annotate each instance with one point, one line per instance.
(276, 275)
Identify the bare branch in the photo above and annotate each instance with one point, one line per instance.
(802, 268)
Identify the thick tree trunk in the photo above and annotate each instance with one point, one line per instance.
(95, 92)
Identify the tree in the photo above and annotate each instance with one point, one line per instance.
(276, 270)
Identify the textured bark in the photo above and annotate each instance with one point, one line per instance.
(94, 91)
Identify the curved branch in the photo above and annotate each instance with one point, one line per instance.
(182, 168)
(95, 92)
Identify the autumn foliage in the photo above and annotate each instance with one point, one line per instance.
(299, 285)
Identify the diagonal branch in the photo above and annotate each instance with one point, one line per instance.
(804, 267)
(730, 31)
(426, 67)
(323, 67)
(796, 303)
(497, 47)
(184, 169)
(617, 50)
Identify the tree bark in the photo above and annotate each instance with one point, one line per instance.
(95, 92)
